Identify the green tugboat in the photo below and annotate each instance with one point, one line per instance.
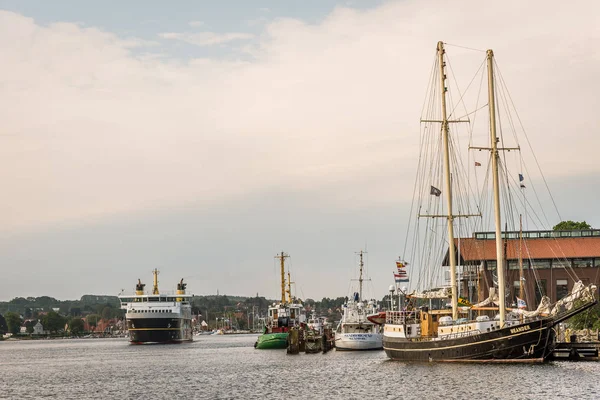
(282, 316)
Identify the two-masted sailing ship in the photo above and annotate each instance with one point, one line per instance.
(487, 331)
(158, 317)
(355, 331)
(282, 316)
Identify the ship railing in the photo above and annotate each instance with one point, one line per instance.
(400, 317)
(458, 335)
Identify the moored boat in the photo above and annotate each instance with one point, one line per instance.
(355, 331)
(282, 316)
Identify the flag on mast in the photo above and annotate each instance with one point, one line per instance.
(521, 303)
(401, 275)
(477, 164)
(435, 191)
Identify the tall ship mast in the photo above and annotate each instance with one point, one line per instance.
(158, 317)
(421, 332)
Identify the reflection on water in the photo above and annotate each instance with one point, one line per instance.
(228, 367)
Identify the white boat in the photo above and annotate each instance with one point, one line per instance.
(317, 324)
(158, 317)
(355, 331)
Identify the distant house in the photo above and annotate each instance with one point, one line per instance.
(38, 329)
(23, 329)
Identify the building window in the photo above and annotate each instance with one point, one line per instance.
(562, 264)
(490, 265)
(540, 264)
(596, 262)
(582, 262)
(562, 289)
(540, 290)
(514, 264)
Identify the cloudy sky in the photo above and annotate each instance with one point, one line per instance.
(202, 138)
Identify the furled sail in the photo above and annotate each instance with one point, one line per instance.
(580, 291)
(437, 293)
(543, 309)
(492, 299)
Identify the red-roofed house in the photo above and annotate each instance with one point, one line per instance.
(552, 262)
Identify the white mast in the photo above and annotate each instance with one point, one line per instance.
(360, 278)
(494, 149)
(448, 187)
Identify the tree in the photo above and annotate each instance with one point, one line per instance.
(571, 226)
(75, 311)
(53, 321)
(106, 312)
(13, 322)
(29, 325)
(76, 326)
(92, 320)
(589, 319)
(3, 326)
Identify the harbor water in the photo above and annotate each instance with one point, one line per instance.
(228, 367)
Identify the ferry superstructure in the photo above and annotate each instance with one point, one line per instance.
(158, 317)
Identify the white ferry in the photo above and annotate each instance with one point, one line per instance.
(158, 317)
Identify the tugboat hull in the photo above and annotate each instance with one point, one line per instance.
(529, 341)
(272, 341)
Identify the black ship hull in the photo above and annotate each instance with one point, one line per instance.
(159, 330)
(532, 341)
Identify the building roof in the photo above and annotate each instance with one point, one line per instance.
(472, 249)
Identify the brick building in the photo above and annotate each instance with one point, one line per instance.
(552, 262)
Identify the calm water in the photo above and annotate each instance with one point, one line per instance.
(228, 367)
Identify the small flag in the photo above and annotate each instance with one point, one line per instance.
(521, 303)
(399, 278)
(401, 273)
(400, 264)
(435, 191)
(522, 186)
(521, 179)
(462, 302)
(477, 164)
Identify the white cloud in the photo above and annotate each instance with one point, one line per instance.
(196, 24)
(94, 130)
(206, 38)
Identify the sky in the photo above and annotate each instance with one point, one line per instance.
(203, 138)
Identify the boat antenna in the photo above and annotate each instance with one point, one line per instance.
(282, 258)
(289, 291)
(448, 185)
(360, 276)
